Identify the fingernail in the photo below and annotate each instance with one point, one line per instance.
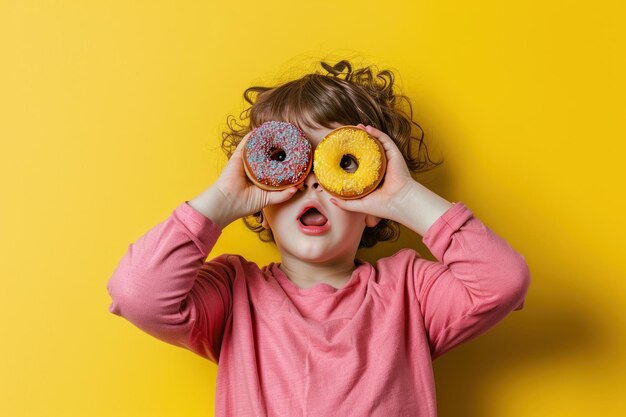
(332, 200)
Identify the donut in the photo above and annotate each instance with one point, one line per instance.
(277, 156)
(349, 163)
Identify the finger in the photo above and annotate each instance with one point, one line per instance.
(378, 134)
(239, 149)
(391, 149)
(373, 131)
(349, 205)
(235, 161)
(277, 197)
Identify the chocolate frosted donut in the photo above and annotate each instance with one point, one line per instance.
(277, 156)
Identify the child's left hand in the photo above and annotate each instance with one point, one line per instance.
(385, 201)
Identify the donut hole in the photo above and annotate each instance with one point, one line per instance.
(277, 154)
(349, 163)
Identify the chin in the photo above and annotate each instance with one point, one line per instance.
(318, 252)
(313, 255)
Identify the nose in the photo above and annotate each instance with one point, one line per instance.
(311, 182)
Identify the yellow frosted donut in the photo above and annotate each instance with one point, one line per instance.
(349, 163)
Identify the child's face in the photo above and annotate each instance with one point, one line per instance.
(336, 240)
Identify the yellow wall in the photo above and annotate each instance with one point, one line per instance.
(110, 116)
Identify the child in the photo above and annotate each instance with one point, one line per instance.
(322, 333)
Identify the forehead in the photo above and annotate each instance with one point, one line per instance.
(316, 134)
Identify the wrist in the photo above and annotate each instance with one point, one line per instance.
(418, 207)
(214, 204)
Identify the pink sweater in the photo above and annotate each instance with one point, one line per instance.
(365, 349)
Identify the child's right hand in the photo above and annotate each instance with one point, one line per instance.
(234, 196)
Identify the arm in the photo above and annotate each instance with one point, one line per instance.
(162, 285)
(399, 198)
(479, 278)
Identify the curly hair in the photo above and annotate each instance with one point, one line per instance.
(341, 95)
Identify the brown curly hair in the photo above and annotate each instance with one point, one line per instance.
(341, 95)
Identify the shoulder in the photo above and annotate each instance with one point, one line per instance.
(231, 266)
(249, 280)
(407, 264)
(234, 261)
(399, 260)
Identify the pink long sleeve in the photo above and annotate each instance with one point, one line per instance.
(159, 285)
(363, 349)
(479, 280)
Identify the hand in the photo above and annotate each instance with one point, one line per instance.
(241, 196)
(386, 201)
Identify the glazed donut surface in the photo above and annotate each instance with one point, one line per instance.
(349, 163)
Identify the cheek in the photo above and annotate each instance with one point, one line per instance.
(351, 231)
(273, 214)
(354, 223)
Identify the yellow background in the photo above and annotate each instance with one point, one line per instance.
(110, 116)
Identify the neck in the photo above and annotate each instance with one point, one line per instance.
(304, 274)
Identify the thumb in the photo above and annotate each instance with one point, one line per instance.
(238, 152)
(277, 197)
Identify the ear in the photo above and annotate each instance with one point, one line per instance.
(264, 222)
(371, 220)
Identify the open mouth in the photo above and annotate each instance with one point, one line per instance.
(312, 217)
